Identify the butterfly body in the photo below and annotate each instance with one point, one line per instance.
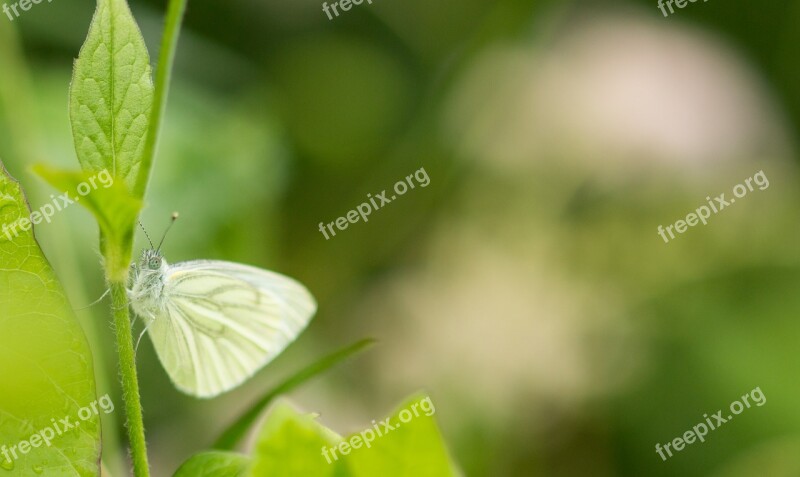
(147, 294)
(214, 324)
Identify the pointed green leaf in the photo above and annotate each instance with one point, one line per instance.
(111, 94)
(414, 448)
(291, 445)
(215, 464)
(45, 361)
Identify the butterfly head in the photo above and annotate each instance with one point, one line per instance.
(152, 261)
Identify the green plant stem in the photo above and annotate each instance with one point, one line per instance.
(169, 43)
(118, 254)
(130, 382)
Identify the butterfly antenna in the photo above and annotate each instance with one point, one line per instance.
(174, 218)
(146, 234)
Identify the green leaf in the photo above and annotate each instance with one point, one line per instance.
(235, 432)
(110, 202)
(215, 464)
(111, 94)
(291, 444)
(45, 360)
(414, 448)
(294, 445)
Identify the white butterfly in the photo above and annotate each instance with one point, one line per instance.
(214, 324)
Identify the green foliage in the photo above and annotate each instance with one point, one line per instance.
(292, 444)
(215, 464)
(113, 206)
(234, 433)
(111, 98)
(706, 326)
(414, 449)
(44, 357)
(111, 95)
(115, 114)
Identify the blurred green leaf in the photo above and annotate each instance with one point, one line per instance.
(215, 464)
(779, 457)
(44, 357)
(235, 433)
(290, 445)
(408, 444)
(414, 448)
(17, 112)
(711, 341)
(111, 94)
(362, 79)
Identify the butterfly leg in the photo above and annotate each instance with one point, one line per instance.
(152, 319)
(96, 301)
(133, 272)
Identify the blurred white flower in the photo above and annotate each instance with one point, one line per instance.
(489, 321)
(616, 94)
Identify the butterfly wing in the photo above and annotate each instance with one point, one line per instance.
(225, 321)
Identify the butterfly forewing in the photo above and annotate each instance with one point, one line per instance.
(224, 321)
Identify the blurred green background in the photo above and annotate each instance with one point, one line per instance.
(526, 288)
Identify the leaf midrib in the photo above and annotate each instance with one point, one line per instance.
(112, 109)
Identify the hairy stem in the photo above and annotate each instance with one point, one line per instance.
(130, 382)
(118, 255)
(169, 43)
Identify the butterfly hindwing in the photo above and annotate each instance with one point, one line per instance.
(225, 321)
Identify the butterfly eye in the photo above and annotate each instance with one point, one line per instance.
(155, 264)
